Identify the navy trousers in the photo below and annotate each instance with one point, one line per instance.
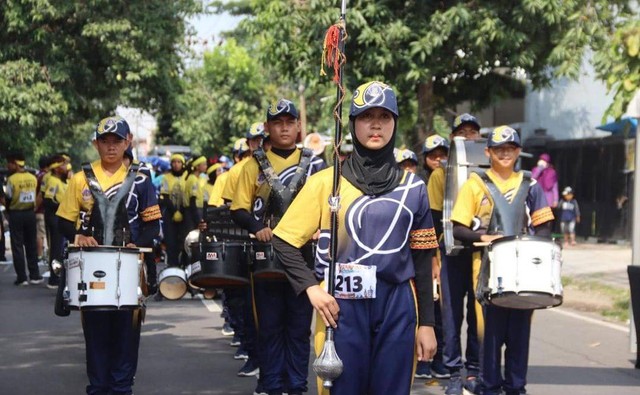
(456, 284)
(375, 339)
(284, 328)
(22, 229)
(512, 328)
(112, 339)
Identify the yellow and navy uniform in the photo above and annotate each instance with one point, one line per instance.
(457, 274)
(173, 227)
(502, 326)
(435, 189)
(213, 193)
(252, 189)
(112, 337)
(78, 202)
(232, 179)
(21, 191)
(20, 202)
(474, 201)
(55, 189)
(379, 232)
(283, 318)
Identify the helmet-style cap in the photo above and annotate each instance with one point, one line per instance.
(405, 154)
(283, 106)
(566, 191)
(240, 146)
(503, 135)
(112, 125)
(371, 95)
(256, 130)
(433, 142)
(462, 119)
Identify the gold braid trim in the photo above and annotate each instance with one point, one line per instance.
(541, 216)
(423, 239)
(151, 213)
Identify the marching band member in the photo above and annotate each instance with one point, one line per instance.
(54, 190)
(475, 203)
(284, 318)
(20, 200)
(435, 150)
(171, 203)
(386, 240)
(194, 192)
(456, 283)
(216, 178)
(112, 337)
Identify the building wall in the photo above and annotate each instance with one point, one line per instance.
(567, 109)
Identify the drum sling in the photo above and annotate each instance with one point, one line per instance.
(507, 218)
(111, 211)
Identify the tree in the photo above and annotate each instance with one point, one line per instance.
(435, 53)
(66, 64)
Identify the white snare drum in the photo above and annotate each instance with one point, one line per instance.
(172, 283)
(525, 273)
(103, 278)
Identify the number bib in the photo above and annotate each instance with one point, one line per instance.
(354, 281)
(27, 197)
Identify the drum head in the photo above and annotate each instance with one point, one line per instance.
(526, 300)
(465, 157)
(172, 283)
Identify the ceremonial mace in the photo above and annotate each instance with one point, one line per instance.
(328, 365)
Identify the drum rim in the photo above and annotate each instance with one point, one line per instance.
(522, 238)
(134, 250)
(224, 242)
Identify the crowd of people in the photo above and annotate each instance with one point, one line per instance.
(400, 301)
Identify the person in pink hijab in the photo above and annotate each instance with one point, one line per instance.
(546, 175)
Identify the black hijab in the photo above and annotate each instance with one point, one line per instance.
(374, 172)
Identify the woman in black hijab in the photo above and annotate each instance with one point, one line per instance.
(382, 310)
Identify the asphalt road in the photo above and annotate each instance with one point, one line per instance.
(183, 352)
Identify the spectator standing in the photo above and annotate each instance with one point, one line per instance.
(569, 216)
(546, 175)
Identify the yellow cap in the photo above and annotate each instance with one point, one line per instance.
(177, 157)
(198, 161)
(19, 163)
(56, 165)
(213, 168)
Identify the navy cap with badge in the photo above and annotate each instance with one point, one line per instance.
(112, 125)
(283, 106)
(503, 135)
(433, 142)
(464, 118)
(256, 130)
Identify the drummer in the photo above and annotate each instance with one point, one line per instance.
(474, 204)
(456, 283)
(172, 208)
(111, 337)
(284, 319)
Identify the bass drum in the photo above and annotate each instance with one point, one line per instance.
(465, 157)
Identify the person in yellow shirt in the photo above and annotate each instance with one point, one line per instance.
(265, 188)
(456, 284)
(112, 337)
(20, 201)
(54, 191)
(479, 217)
(216, 179)
(194, 193)
(171, 204)
(382, 310)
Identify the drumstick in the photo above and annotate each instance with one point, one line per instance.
(482, 244)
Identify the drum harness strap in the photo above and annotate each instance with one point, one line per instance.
(109, 208)
(283, 195)
(507, 218)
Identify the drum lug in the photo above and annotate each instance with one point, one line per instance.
(82, 286)
(500, 287)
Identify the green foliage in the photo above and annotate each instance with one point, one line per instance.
(66, 64)
(468, 50)
(618, 64)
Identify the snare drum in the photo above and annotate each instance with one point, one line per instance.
(465, 157)
(103, 278)
(172, 283)
(267, 266)
(222, 264)
(525, 273)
